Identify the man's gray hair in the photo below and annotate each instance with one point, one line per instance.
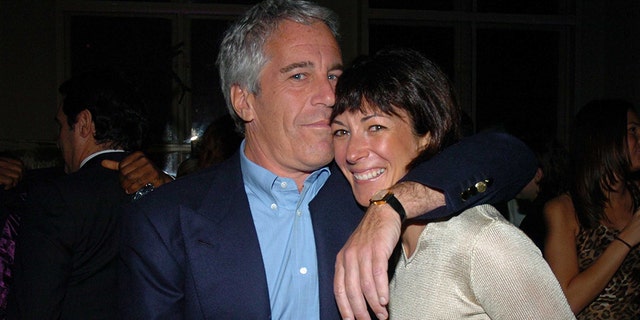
(242, 56)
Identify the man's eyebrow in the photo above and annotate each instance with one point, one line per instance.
(337, 66)
(296, 65)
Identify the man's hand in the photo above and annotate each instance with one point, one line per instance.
(136, 171)
(361, 265)
(11, 171)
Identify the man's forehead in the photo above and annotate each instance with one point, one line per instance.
(289, 60)
(300, 36)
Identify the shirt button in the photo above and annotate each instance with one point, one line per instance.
(283, 185)
(303, 270)
(299, 213)
(274, 206)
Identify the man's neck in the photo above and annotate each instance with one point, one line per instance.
(258, 157)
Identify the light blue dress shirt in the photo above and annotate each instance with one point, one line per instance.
(283, 223)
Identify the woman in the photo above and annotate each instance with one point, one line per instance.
(593, 231)
(395, 109)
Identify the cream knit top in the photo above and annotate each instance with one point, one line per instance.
(475, 265)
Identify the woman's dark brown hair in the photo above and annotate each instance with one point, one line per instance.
(397, 79)
(599, 157)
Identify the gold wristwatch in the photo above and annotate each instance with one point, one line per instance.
(386, 196)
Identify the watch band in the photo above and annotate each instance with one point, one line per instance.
(390, 199)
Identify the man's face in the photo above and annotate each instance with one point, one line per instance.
(532, 189)
(288, 129)
(66, 138)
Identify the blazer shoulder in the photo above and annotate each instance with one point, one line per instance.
(191, 190)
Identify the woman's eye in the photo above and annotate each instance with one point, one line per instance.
(376, 127)
(340, 133)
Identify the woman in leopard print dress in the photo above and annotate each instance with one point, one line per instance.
(593, 231)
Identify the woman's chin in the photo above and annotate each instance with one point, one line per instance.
(363, 200)
(364, 194)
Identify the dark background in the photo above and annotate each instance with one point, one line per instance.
(521, 66)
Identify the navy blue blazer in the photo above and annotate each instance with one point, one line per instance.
(190, 250)
(67, 248)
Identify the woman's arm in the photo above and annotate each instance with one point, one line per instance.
(561, 253)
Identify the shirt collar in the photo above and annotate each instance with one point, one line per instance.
(262, 179)
(93, 155)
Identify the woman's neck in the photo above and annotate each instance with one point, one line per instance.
(619, 207)
(410, 237)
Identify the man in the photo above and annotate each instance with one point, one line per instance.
(256, 237)
(66, 256)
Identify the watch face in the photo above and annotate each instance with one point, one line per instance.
(380, 195)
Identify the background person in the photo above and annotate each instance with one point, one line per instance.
(218, 142)
(11, 208)
(551, 180)
(66, 254)
(593, 231)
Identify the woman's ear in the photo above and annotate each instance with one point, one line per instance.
(242, 101)
(424, 142)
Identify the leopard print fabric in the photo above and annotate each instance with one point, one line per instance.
(620, 299)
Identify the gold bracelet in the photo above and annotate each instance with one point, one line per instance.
(625, 243)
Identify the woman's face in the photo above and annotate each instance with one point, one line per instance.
(633, 139)
(373, 149)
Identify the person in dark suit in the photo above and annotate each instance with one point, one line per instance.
(256, 236)
(66, 253)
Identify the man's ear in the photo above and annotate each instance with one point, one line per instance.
(243, 102)
(84, 124)
(539, 175)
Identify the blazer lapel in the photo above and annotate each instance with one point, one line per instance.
(335, 214)
(222, 247)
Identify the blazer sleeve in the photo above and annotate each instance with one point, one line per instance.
(485, 168)
(150, 279)
(43, 255)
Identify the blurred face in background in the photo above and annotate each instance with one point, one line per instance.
(532, 189)
(633, 139)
